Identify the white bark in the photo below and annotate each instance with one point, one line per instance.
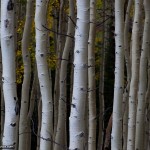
(140, 116)
(77, 116)
(43, 75)
(135, 54)
(116, 140)
(23, 123)
(91, 78)
(9, 73)
(61, 126)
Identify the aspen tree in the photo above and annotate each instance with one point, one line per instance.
(147, 107)
(9, 73)
(128, 68)
(116, 140)
(23, 123)
(43, 75)
(91, 78)
(135, 58)
(140, 116)
(77, 116)
(61, 126)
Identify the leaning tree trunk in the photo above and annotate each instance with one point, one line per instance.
(91, 78)
(135, 54)
(77, 116)
(43, 76)
(116, 140)
(61, 125)
(140, 116)
(9, 73)
(23, 123)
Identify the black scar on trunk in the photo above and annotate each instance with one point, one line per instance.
(10, 5)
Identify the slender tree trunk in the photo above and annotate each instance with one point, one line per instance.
(43, 76)
(91, 78)
(116, 140)
(77, 116)
(128, 68)
(61, 126)
(147, 106)
(101, 82)
(24, 124)
(140, 116)
(9, 73)
(57, 75)
(108, 134)
(39, 123)
(135, 76)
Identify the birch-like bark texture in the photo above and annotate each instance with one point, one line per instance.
(140, 116)
(61, 125)
(9, 73)
(77, 116)
(43, 76)
(91, 78)
(23, 123)
(116, 140)
(135, 60)
(147, 106)
(128, 68)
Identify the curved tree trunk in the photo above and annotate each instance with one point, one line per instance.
(43, 76)
(61, 125)
(23, 123)
(9, 73)
(140, 116)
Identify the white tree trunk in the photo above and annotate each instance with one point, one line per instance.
(116, 140)
(43, 76)
(91, 78)
(9, 73)
(23, 123)
(61, 125)
(140, 116)
(135, 54)
(77, 116)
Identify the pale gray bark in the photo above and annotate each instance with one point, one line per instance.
(116, 137)
(9, 74)
(79, 97)
(61, 125)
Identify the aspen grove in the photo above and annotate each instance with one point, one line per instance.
(75, 74)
